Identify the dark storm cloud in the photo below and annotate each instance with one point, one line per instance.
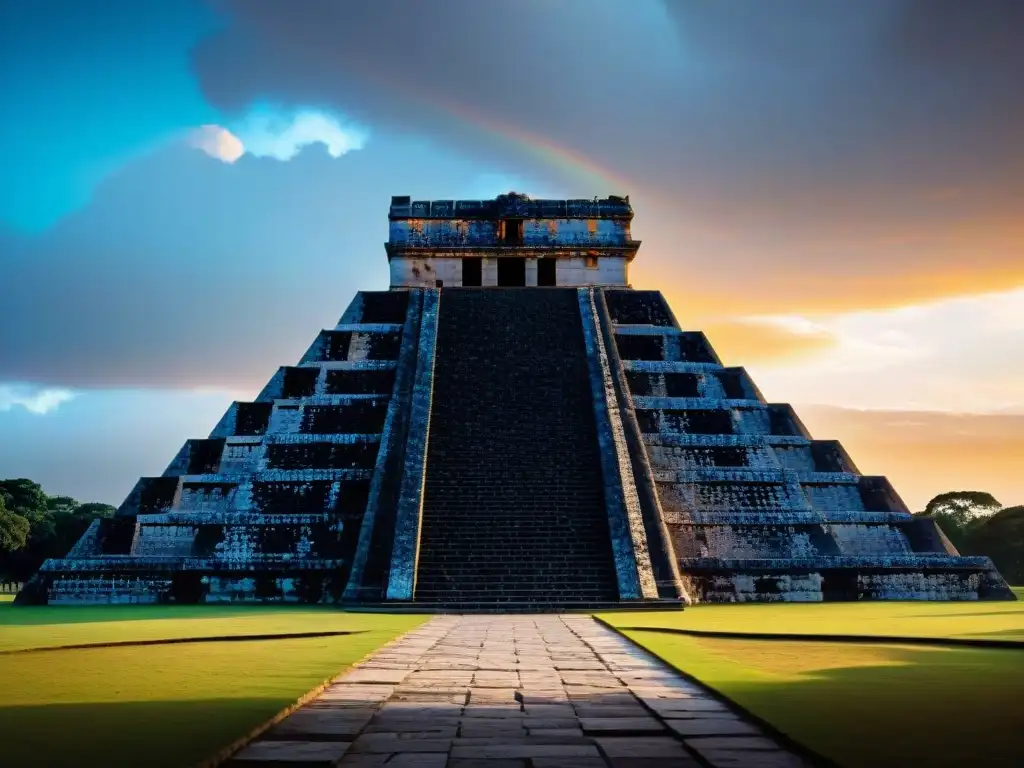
(750, 85)
(981, 38)
(971, 58)
(187, 272)
(769, 116)
(848, 152)
(404, 64)
(159, 281)
(861, 105)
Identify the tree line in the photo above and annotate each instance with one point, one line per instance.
(35, 526)
(977, 524)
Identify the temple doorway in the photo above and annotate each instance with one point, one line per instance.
(511, 271)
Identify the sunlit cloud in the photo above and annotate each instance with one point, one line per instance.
(217, 142)
(788, 270)
(270, 133)
(33, 399)
(280, 135)
(749, 340)
(956, 355)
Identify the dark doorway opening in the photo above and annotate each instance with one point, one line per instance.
(546, 271)
(511, 270)
(472, 271)
(513, 231)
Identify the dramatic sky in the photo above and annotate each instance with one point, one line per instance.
(832, 190)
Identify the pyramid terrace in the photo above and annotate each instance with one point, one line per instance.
(511, 426)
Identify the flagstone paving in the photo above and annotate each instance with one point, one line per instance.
(515, 691)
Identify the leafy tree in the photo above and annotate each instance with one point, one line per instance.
(23, 497)
(1001, 537)
(28, 499)
(13, 529)
(957, 511)
(52, 525)
(93, 510)
(975, 524)
(61, 503)
(963, 505)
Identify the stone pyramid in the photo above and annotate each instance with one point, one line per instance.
(511, 427)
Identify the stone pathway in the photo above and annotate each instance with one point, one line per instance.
(514, 691)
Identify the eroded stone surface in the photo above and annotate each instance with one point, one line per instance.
(712, 726)
(516, 691)
(463, 417)
(303, 752)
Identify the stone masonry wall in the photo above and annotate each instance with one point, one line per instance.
(275, 495)
(758, 510)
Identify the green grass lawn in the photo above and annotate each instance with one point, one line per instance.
(862, 705)
(1002, 620)
(167, 705)
(174, 705)
(37, 627)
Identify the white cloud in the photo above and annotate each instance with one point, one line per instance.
(33, 399)
(266, 132)
(796, 324)
(270, 133)
(959, 355)
(217, 142)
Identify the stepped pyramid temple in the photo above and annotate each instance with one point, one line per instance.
(511, 426)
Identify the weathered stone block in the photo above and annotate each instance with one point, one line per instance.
(508, 448)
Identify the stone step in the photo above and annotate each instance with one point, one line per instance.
(514, 494)
(471, 568)
(553, 583)
(480, 562)
(458, 604)
(525, 598)
(462, 568)
(498, 544)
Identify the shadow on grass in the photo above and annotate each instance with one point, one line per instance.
(887, 707)
(151, 733)
(16, 615)
(165, 704)
(940, 707)
(983, 641)
(961, 614)
(869, 716)
(992, 632)
(184, 641)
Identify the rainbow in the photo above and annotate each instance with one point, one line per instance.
(576, 165)
(591, 175)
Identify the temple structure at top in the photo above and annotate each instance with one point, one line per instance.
(511, 427)
(512, 240)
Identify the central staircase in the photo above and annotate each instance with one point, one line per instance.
(513, 512)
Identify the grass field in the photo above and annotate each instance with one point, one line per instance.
(171, 705)
(863, 705)
(36, 627)
(996, 620)
(163, 705)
